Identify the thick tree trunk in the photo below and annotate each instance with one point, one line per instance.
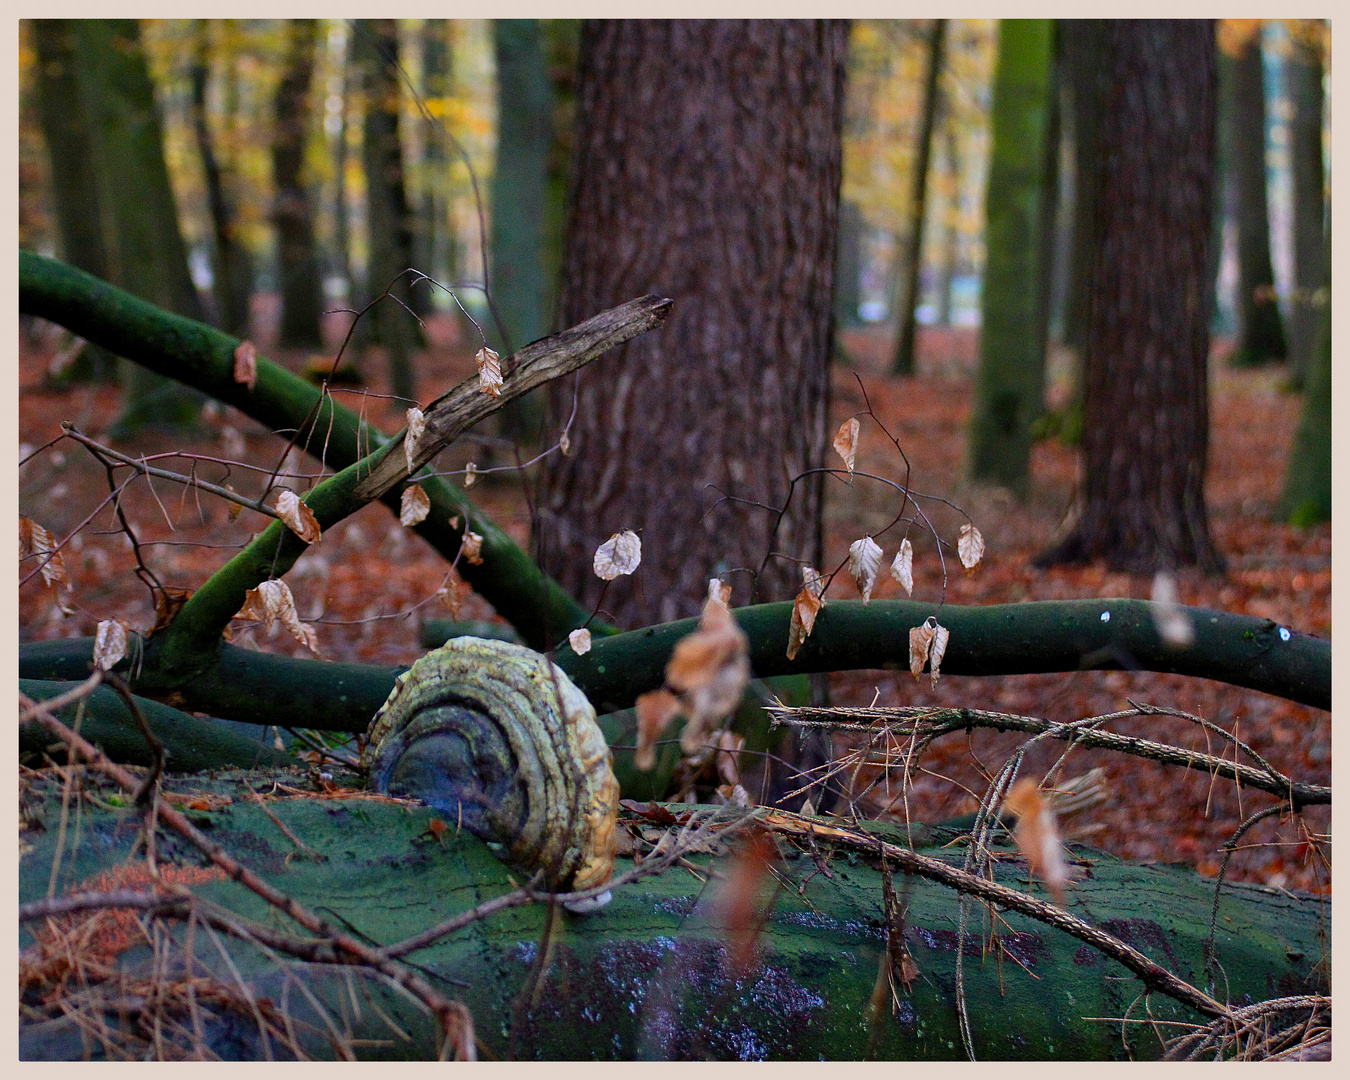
(1010, 385)
(1303, 70)
(388, 220)
(232, 265)
(1142, 504)
(1084, 44)
(292, 212)
(1260, 331)
(707, 167)
(951, 235)
(908, 300)
(1307, 484)
(433, 241)
(146, 252)
(848, 265)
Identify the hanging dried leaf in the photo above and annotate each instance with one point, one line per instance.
(1037, 835)
(414, 506)
(64, 605)
(738, 901)
(470, 475)
(618, 555)
(654, 712)
(272, 602)
(970, 546)
(1172, 621)
(565, 443)
(298, 517)
(452, 595)
(920, 641)
(472, 546)
(729, 747)
(937, 651)
(709, 670)
(902, 566)
(35, 540)
(110, 644)
(168, 603)
(580, 640)
(846, 442)
(719, 590)
(417, 424)
(805, 608)
(864, 560)
(489, 372)
(234, 509)
(246, 364)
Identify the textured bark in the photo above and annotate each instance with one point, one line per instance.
(1303, 70)
(1260, 331)
(707, 168)
(1010, 384)
(1085, 75)
(388, 220)
(1146, 428)
(908, 300)
(292, 212)
(232, 265)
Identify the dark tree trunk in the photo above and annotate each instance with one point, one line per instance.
(848, 264)
(1260, 332)
(342, 216)
(433, 242)
(707, 169)
(1304, 73)
(908, 300)
(951, 235)
(1084, 45)
(232, 265)
(388, 221)
(292, 212)
(1306, 499)
(1142, 506)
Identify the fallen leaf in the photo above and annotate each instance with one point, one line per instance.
(902, 567)
(655, 710)
(417, 424)
(1037, 836)
(580, 640)
(864, 560)
(489, 372)
(110, 644)
(920, 641)
(472, 545)
(470, 474)
(735, 795)
(618, 555)
(414, 506)
(298, 517)
(970, 546)
(246, 364)
(846, 442)
(805, 608)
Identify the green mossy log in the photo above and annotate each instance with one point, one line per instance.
(648, 975)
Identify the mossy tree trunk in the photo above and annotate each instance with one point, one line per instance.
(1010, 385)
(146, 252)
(292, 209)
(1260, 330)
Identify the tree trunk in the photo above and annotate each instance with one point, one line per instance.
(146, 253)
(951, 234)
(1146, 431)
(520, 203)
(342, 217)
(707, 167)
(292, 212)
(848, 265)
(1260, 332)
(388, 220)
(232, 265)
(1303, 70)
(908, 300)
(1010, 385)
(433, 241)
(1307, 484)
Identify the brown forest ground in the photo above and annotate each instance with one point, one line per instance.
(362, 583)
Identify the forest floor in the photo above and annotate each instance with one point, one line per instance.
(369, 582)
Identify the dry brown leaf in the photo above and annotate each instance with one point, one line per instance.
(580, 640)
(920, 641)
(452, 595)
(735, 795)
(719, 589)
(297, 517)
(489, 372)
(864, 560)
(729, 747)
(168, 603)
(1037, 835)
(709, 670)
(620, 554)
(414, 506)
(272, 602)
(417, 424)
(110, 644)
(655, 711)
(937, 651)
(739, 899)
(472, 546)
(846, 442)
(805, 608)
(902, 566)
(565, 443)
(234, 508)
(246, 364)
(35, 540)
(1172, 621)
(970, 546)
(470, 474)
